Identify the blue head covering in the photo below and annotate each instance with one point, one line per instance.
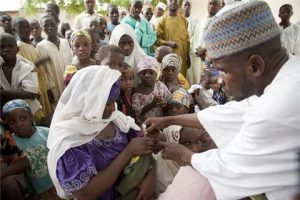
(15, 104)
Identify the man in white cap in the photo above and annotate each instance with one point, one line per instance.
(160, 10)
(258, 134)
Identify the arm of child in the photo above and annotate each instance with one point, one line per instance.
(17, 94)
(97, 185)
(147, 186)
(17, 168)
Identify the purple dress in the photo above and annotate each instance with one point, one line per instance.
(79, 164)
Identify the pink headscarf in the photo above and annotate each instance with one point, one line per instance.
(147, 62)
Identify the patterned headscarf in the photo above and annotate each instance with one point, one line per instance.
(171, 59)
(147, 62)
(79, 33)
(240, 26)
(15, 104)
(180, 96)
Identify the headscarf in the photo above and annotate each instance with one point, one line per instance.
(15, 104)
(171, 59)
(147, 62)
(78, 115)
(79, 33)
(137, 53)
(180, 96)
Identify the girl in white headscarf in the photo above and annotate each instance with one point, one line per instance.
(89, 147)
(124, 37)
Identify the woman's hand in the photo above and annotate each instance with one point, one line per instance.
(156, 123)
(176, 152)
(140, 146)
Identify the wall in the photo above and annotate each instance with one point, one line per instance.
(199, 8)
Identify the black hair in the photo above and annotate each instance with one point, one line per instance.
(110, 6)
(106, 50)
(16, 20)
(47, 16)
(54, 6)
(286, 5)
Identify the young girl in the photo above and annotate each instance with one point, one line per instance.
(18, 77)
(123, 36)
(26, 50)
(144, 33)
(32, 140)
(60, 54)
(91, 143)
(124, 100)
(81, 46)
(150, 96)
(170, 69)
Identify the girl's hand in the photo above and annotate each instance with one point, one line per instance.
(140, 146)
(147, 186)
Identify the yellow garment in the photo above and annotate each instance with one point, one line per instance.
(29, 52)
(175, 28)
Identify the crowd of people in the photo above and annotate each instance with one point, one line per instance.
(151, 104)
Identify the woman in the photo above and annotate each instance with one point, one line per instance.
(123, 36)
(88, 141)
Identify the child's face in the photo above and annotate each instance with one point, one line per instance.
(205, 82)
(148, 77)
(5, 22)
(102, 25)
(81, 47)
(197, 140)
(36, 29)
(122, 15)
(113, 14)
(109, 109)
(148, 14)
(8, 49)
(20, 122)
(159, 12)
(285, 13)
(170, 73)
(49, 27)
(136, 9)
(95, 43)
(127, 81)
(23, 29)
(176, 109)
(114, 61)
(126, 44)
(94, 25)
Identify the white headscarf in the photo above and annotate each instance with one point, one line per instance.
(78, 115)
(137, 53)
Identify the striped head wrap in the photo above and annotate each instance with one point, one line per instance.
(240, 26)
(80, 33)
(15, 104)
(173, 60)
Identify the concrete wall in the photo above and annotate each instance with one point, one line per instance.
(199, 8)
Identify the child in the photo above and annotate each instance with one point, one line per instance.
(12, 181)
(60, 54)
(179, 103)
(144, 33)
(5, 23)
(150, 96)
(91, 143)
(99, 24)
(81, 46)
(112, 56)
(217, 86)
(33, 141)
(26, 50)
(68, 36)
(123, 36)
(126, 88)
(113, 15)
(95, 37)
(170, 69)
(160, 53)
(36, 32)
(197, 140)
(18, 77)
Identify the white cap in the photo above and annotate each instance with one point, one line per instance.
(162, 6)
